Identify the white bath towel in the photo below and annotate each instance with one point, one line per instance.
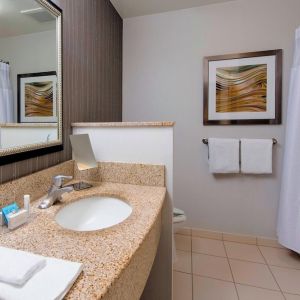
(51, 283)
(17, 267)
(223, 155)
(256, 156)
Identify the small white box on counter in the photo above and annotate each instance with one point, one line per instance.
(17, 219)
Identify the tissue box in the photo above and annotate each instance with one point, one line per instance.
(7, 210)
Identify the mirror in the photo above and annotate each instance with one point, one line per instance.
(83, 153)
(30, 79)
(84, 157)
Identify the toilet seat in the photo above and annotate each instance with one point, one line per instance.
(178, 215)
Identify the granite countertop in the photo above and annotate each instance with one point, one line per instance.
(104, 253)
(27, 125)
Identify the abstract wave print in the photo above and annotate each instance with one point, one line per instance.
(39, 99)
(242, 89)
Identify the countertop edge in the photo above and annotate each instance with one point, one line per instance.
(124, 124)
(28, 125)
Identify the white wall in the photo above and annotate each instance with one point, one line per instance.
(20, 136)
(162, 80)
(29, 53)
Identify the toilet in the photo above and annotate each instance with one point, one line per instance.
(178, 218)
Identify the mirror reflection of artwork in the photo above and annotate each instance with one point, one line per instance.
(242, 89)
(37, 97)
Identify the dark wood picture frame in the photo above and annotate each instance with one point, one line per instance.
(278, 88)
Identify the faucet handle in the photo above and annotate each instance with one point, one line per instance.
(59, 180)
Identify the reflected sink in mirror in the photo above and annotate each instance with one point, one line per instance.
(93, 213)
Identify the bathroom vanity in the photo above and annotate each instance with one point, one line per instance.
(117, 260)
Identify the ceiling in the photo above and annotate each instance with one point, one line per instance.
(134, 8)
(13, 23)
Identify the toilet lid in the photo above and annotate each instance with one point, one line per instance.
(177, 211)
(178, 215)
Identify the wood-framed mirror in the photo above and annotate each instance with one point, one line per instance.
(30, 79)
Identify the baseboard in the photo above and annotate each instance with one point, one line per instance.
(231, 237)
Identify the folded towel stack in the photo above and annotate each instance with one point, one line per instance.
(27, 276)
(17, 267)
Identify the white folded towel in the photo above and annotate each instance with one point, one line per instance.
(256, 156)
(51, 283)
(17, 267)
(223, 155)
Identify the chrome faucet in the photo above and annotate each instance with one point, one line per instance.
(56, 191)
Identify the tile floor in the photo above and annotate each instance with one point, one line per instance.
(212, 269)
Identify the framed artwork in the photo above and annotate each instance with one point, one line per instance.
(244, 88)
(37, 97)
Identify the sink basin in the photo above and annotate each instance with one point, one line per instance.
(93, 213)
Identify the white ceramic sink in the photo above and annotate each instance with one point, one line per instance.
(93, 213)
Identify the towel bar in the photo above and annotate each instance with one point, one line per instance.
(205, 141)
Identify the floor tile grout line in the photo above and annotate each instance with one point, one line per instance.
(271, 272)
(192, 268)
(289, 293)
(209, 277)
(288, 268)
(244, 284)
(182, 272)
(224, 246)
(232, 241)
(259, 287)
(203, 253)
(188, 235)
(242, 260)
(278, 266)
(250, 261)
(226, 233)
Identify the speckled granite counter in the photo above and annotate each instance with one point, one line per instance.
(117, 260)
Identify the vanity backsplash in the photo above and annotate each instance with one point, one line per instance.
(127, 173)
(35, 185)
(38, 184)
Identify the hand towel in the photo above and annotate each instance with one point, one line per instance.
(256, 156)
(223, 155)
(51, 283)
(17, 267)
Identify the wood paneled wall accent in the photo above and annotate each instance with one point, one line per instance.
(92, 70)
